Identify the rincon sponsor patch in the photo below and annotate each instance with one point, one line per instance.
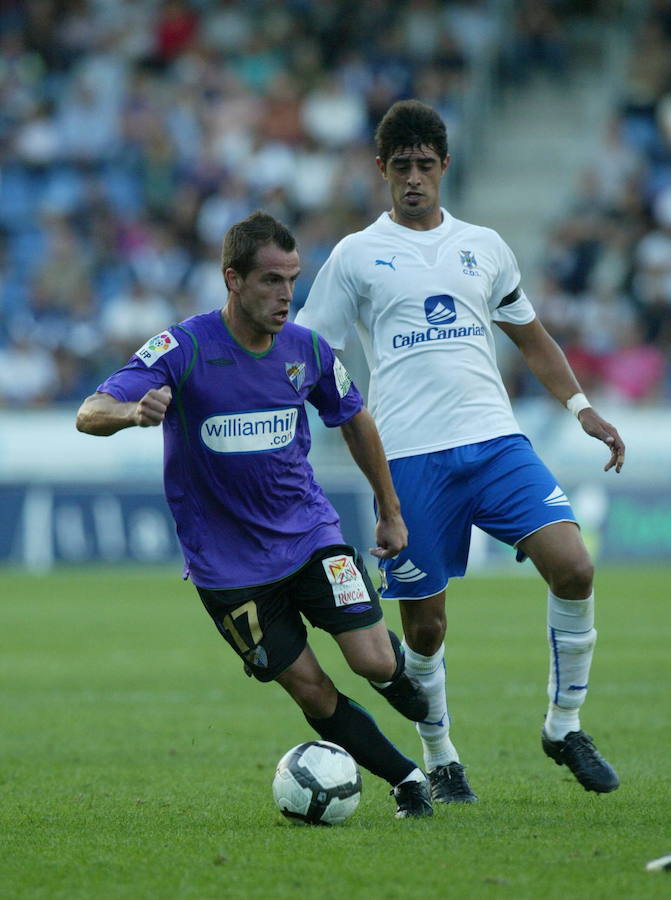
(346, 581)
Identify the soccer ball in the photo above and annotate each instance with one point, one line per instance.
(317, 783)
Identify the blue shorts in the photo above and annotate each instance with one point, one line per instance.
(500, 485)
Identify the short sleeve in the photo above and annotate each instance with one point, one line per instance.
(508, 302)
(332, 304)
(158, 362)
(335, 396)
(518, 312)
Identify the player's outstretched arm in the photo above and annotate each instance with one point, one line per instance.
(102, 414)
(364, 444)
(547, 361)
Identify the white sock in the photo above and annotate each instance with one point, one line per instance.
(571, 635)
(429, 671)
(415, 775)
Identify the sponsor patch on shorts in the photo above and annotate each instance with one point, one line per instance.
(346, 581)
(156, 347)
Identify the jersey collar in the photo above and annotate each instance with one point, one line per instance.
(431, 234)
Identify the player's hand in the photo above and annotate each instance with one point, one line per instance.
(151, 408)
(598, 428)
(391, 536)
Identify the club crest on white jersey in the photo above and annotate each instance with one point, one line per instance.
(469, 263)
(156, 347)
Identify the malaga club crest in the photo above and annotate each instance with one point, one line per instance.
(296, 374)
(257, 656)
(439, 309)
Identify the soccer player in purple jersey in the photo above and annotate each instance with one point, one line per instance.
(261, 541)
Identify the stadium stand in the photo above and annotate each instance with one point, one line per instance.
(133, 134)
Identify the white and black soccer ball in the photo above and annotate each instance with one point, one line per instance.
(317, 783)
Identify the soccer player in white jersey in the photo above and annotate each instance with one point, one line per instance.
(423, 289)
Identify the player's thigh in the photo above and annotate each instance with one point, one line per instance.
(368, 651)
(559, 553)
(437, 511)
(517, 493)
(261, 624)
(334, 591)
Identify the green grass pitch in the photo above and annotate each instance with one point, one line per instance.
(136, 758)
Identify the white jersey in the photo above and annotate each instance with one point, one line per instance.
(423, 304)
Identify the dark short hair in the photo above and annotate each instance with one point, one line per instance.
(244, 239)
(410, 123)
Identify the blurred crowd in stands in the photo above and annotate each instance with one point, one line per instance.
(606, 272)
(133, 133)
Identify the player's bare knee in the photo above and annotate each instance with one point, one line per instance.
(573, 581)
(317, 696)
(379, 667)
(427, 636)
(316, 703)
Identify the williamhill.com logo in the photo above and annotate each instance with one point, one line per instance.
(250, 432)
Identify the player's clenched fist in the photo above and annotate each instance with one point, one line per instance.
(151, 408)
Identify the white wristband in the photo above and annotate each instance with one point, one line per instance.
(577, 403)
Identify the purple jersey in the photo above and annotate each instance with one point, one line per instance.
(236, 440)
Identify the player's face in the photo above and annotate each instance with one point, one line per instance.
(414, 175)
(258, 304)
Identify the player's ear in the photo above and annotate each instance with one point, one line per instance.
(379, 162)
(232, 279)
(446, 162)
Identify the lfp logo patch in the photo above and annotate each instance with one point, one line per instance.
(439, 309)
(160, 343)
(156, 347)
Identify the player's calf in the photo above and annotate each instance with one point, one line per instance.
(402, 692)
(352, 728)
